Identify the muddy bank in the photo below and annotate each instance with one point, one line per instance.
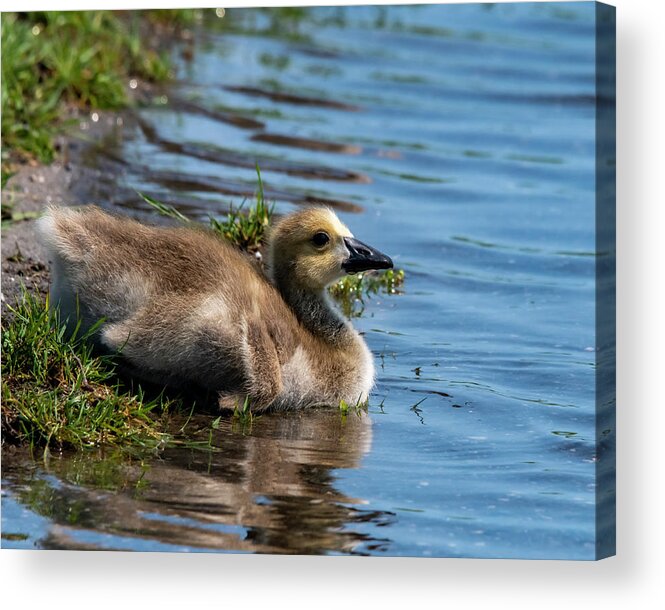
(85, 171)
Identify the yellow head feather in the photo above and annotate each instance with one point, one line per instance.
(294, 257)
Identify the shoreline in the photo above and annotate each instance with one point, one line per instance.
(66, 181)
(82, 173)
(60, 171)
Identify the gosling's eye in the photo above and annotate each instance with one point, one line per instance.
(320, 239)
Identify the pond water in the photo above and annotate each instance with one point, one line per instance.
(460, 140)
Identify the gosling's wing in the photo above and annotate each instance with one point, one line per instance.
(205, 339)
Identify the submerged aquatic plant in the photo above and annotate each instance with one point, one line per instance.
(350, 291)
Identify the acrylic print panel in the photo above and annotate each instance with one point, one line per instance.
(472, 143)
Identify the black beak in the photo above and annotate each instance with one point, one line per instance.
(363, 257)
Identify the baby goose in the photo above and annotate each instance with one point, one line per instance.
(183, 306)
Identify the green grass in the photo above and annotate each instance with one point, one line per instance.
(11, 215)
(358, 407)
(56, 393)
(164, 209)
(243, 418)
(245, 227)
(81, 58)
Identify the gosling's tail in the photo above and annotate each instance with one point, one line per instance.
(63, 233)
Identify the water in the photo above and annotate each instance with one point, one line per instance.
(458, 139)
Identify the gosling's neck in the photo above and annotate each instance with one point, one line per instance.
(316, 313)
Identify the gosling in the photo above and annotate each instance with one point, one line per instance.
(182, 306)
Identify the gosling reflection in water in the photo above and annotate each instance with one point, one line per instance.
(269, 491)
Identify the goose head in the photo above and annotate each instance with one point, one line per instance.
(312, 248)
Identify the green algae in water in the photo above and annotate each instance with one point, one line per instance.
(351, 291)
